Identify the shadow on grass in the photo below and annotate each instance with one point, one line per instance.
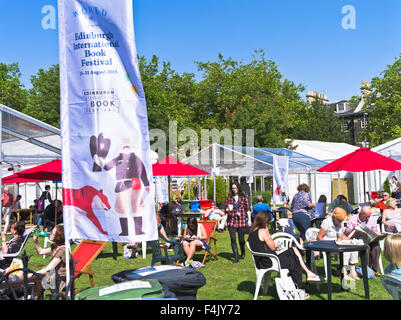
(250, 286)
(226, 255)
(336, 289)
(108, 255)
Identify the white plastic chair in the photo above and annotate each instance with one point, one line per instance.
(392, 285)
(287, 239)
(265, 273)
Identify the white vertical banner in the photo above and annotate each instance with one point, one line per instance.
(161, 189)
(280, 178)
(108, 192)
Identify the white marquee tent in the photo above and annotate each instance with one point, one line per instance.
(391, 149)
(26, 142)
(330, 151)
(224, 160)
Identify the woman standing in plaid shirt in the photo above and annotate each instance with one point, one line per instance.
(237, 209)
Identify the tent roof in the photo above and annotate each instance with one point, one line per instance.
(249, 161)
(391, 149)
(26, 140)
(322, 150)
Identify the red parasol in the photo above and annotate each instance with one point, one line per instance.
(14, 178)
(47, 171)
(362, 160)
(170, 166)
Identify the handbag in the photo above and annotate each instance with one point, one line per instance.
(130, 251)
(17, 265)
(286, 288)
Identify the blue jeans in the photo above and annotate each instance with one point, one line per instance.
(302, 222)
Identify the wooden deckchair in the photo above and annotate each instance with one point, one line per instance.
(84, 254)
(210, 227)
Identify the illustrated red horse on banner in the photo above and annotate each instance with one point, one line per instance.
(86, 199)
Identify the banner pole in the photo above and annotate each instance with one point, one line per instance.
(67, 262)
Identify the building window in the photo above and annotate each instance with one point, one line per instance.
(364, 122)
(344, 127)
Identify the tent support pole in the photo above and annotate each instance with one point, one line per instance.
(205, 182)
(189, 188)
(67, 264)
(339, 182)
(1, 165)
(364, 187)
(214, 171)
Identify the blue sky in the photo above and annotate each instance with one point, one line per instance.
(305, 38)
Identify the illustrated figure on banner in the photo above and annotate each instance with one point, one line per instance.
(130, 172)
(85, 199)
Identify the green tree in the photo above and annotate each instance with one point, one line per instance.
(386, 186)
(319, 123)
(169, 95)
(44, 96)
(385, 101)
(12, 92)
(243, 96)
(221, 189)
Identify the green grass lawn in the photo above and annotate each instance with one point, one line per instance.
(224, 280)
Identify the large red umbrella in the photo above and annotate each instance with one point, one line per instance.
(47, 171)
(14, 178)
(361, 160)
(170, 166)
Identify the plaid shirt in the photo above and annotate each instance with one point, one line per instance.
(242, 207)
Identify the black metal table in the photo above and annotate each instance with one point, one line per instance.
(330, 246)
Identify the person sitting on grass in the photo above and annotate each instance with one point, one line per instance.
(392, 252)
(194, 234)
(260, 241)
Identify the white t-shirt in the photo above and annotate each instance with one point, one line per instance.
(331, 230)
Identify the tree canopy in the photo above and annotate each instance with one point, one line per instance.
(12, 91)
(229, 95)
(384, 103)
(44, 96)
